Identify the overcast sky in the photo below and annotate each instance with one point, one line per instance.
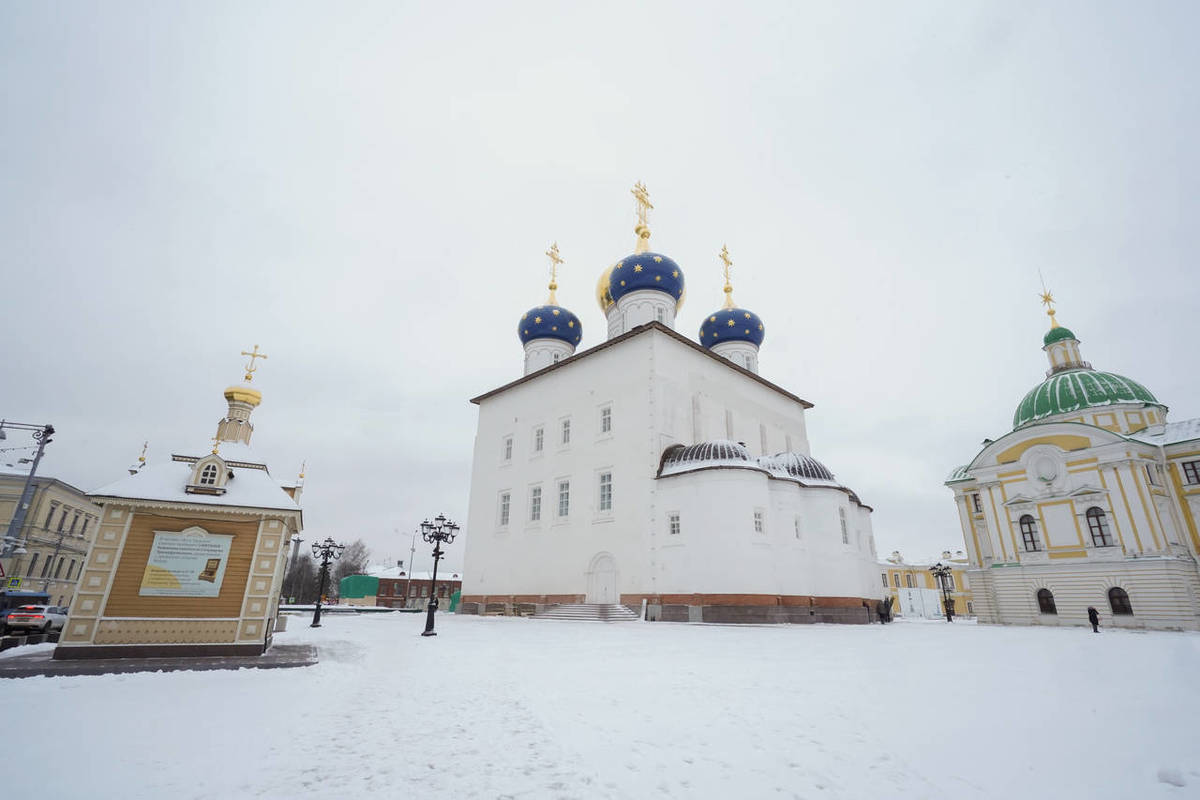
(366, 190)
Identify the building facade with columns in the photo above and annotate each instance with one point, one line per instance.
(189, 554)
(48, 553)
(1092, 499)
(658, 468)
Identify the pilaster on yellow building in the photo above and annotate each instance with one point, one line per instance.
(915, 591)
(1091, 500)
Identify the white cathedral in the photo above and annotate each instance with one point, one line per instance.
(658, 472)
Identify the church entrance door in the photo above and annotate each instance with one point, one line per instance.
(602, 579)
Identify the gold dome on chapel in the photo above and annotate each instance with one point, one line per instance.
(243, 393)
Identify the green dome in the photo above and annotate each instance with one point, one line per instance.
(1057, 335)
(1064, 392)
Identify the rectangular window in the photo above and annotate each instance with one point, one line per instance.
(758, 522)
(606, 419)
(606, 491)
(70, 568)
(884, 576)
(1152, 474)
(564, 498)
(539, 439)
(566, 432)
(62, 521)
(1191, 471)
(659, 314)
(978, 504)
(507, 449)
(50, 516)
(970, 607)
(83, 530)
(896, 579)
(908, 580)
(845, 533)
(58, 569)
(535, 504)
(673, 523)
(796, 527)
(74, 522)
(950, 582)
(505, 497)
(33, 564)
(412, 591)
(46, 566)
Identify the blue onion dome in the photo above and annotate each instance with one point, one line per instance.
(550, 322)
(646, 271)
(732, 325)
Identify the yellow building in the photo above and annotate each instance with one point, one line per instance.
(910, 584)
(189, 555)
(47, 555)
(1091, 500)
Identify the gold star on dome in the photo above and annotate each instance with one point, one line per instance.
(747, 315)
(747, 330)
(637, 267)
(526, 333)
(524, 317)
(553, 327)
(571, 324)
(760, 326)
(619, 265)
(712, 319)
(622, 283)
(731, 323)
(658, 258)
(675, 273)
(555, 312)
(538, 320)
(658, 277)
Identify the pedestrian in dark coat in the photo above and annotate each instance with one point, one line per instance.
(1094, 618)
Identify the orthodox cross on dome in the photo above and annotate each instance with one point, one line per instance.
(555, 260)
(142, 457)
(643, 206)
(728, 285)
(250, 368)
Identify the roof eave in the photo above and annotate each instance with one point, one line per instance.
(640, 329)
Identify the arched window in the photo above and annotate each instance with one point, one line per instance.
(1029, 533)
(1098, 525)
(208, 477)
(1045, 600)
(1118, 601)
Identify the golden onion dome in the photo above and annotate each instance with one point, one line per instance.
(603, 298)
(243, 393)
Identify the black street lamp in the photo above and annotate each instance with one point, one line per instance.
(327, 551)
(436, 532)
(41, 435)
(943, 575)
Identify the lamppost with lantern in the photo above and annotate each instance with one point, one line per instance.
(326, 551)
(434, 533)
(943, 573)
(41, 434)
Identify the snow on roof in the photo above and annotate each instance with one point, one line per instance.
(249, 487)
(379, 571)
(1171, 433)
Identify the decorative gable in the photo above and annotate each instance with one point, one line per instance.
(209, 476)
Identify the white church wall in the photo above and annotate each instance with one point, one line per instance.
(552, 556)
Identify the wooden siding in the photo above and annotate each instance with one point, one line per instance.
(124, 601)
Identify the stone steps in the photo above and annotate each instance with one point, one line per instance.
(589, 612)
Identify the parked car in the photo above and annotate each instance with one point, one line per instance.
(36, 619)
(11, 599)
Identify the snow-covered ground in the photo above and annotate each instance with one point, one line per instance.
(498, 707)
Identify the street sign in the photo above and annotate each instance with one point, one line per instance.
(12, 583)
